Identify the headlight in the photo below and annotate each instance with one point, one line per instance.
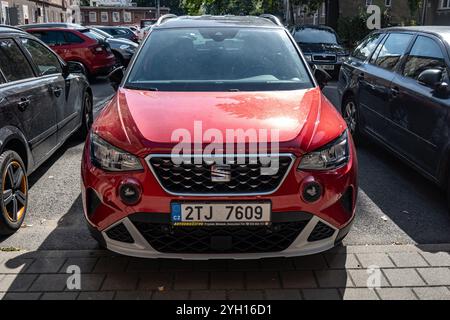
(331, 156)
(308, 57)
(110, 158)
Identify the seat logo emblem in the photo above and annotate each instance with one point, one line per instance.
(221, 173)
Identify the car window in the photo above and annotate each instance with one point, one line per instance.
(364, 50)
(13, 63)
(221, 59)
(392, 50)
(44, 59)
(312, 35)
(93, 35)
(425, 54)
(72, 38)
(52, 38)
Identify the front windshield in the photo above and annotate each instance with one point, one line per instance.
(311, 35)
(218, 59)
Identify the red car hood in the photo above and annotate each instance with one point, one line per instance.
(140, 120)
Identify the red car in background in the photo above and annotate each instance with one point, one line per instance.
(194, 81)
(78, 44)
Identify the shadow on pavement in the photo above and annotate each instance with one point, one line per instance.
(416, 205)
(104, 275)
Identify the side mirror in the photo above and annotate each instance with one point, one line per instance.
(433, 78)
(322, 77)
(116, 76)
(73, 67)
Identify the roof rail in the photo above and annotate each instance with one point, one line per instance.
(164, 18)
(272, 18)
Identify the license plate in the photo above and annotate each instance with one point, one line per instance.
(325, 66)
(221, 213)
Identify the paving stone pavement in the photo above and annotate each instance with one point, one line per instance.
(397, 272)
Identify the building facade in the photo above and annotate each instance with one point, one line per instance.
(436, 12)
(16, 12)
(118, 15)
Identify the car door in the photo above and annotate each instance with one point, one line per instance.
(28, 103)
(375, 81)
(50, 70)
(417, 113)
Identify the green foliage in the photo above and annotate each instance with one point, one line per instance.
(352, 29)
(236, 7)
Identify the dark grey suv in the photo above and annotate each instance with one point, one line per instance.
(43, 100)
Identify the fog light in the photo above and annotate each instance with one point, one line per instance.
(312, 191)
(130, 192)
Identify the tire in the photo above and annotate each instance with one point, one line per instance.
(14, 203)
(87, 117)
(351, 117)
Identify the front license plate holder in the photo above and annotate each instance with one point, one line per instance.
(221, 213)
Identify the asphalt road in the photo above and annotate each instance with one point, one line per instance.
(395, 204)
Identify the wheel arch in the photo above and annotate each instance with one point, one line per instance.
(11, 138)
(347, 94)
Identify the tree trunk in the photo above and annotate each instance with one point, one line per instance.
(332, 16)
(291, 13)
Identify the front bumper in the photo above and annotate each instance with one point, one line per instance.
(104, 211)
(142, 249)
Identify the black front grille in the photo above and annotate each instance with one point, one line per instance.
(120, 233)
(324, 58)
(166, 238)
(321, 231)
(192, 178)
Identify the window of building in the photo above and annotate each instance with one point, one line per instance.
(387, 3)
(445, 4)
(368, 2)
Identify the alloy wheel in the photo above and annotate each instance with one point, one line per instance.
(350, 116)
(14, 193)
(87, 112)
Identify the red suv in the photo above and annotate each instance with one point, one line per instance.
(219, 144)
(78, 44)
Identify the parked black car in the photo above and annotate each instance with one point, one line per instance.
(395, 89)
(321, 47)
(119, 32)
(123, 49)
(43, 100)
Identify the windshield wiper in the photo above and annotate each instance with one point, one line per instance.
(234, 90)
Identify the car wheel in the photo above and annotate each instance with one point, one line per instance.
(14, 197)
(350, 115)
(88, 115)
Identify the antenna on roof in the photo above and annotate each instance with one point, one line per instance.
(165, 17)
(272, 18)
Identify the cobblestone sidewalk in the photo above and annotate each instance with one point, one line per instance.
(398, 272)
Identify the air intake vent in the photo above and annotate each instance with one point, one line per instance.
(120, 233)
(321, 231)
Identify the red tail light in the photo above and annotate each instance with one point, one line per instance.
(97, 49)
